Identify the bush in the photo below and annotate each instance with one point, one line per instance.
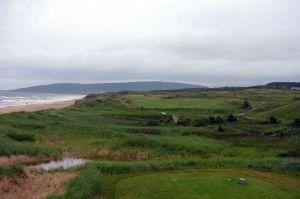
(184, 121)
(21, 137)
(200, 123)
(273, 120)
(211, 120)
(246, 105)
(219, 120)
(294, 154)
(152, 123)
(220, 129)
(231, 118)
(296, 123)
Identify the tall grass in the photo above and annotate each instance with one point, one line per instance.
(266, 164)
(8, 148)
(21, 136)
(87, 185)
(11, 171)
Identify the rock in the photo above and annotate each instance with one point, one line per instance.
(242, 180)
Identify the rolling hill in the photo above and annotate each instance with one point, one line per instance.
(71, 88)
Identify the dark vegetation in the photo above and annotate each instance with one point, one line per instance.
(231, 118)
(296, 123)
(282, 85)
(246, 105)
(12, 171)
(21, 137)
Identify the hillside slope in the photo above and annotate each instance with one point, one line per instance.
(70, 88)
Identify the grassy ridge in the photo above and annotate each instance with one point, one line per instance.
(112, 126)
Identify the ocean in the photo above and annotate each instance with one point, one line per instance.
(9, 98)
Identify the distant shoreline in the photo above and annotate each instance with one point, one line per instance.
(37, 107)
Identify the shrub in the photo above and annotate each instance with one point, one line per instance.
(201, 123)
(152, 123)
(184, 121)
(231, 118)
(246, 105)
(21, 137)
(219, 120)
(211, 120)
(296, 123)
(273, 120)
(294, 154)
(220, 129)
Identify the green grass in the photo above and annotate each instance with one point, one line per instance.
(162, 101)
(114, 128)
(12, 171)
(87, 185)
(8, 148)
(98, 179)
(21, 137)
(215, 185)
(289, 111)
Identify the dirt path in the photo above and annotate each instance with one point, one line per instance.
(34, 185)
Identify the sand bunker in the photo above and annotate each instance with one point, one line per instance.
(34, 185)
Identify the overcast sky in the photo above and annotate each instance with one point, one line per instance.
(208, 42)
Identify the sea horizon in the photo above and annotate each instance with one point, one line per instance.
(13, 98)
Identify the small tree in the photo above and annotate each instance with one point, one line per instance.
(246, 105)
(231, 118)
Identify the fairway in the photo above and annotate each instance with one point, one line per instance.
(199, 185)
(163, 101)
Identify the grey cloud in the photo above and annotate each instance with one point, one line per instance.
(213, 42)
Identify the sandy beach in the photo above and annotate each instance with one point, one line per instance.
(37, 107)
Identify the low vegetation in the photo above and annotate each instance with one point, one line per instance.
(137, 133)
(12, 171)
(21, 137)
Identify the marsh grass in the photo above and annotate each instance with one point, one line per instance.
(12, 171)
(21, 137)
(8, 148)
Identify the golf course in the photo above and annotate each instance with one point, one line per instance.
(186, 144)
